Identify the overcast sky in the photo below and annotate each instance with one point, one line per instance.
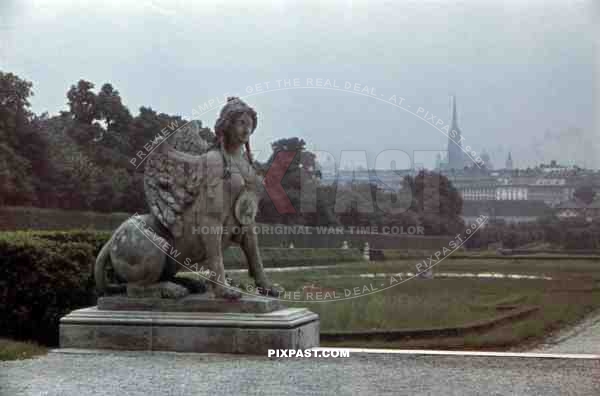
(522, 71)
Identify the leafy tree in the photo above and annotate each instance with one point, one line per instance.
(19, 141)
(298, 183)
(437, 203)
(14, 107)
(83, 102)
(111, 109)
(116, 117)
(16, 185)
(303, 165)
(584, 194)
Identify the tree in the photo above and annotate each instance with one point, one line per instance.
(16, 185)
(436, 201)
(297, 182)
(19, 141)
(14, 106)
(115, 115)
(83, 102)
(584, 194)
(148, 124)
(110, 108)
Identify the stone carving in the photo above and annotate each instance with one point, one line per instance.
(202, 198)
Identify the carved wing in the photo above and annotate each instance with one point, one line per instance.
(172, 176)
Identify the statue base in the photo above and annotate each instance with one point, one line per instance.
(205, 302)
(143, 324)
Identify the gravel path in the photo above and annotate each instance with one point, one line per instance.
(583, 338)
(163, 373)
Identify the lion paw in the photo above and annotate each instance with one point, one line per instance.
(228, 293)
(269, 289)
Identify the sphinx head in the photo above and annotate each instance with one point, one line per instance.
(236, 122)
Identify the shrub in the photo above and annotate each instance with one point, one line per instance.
(26, 218)
(43, 276)
(95, 238)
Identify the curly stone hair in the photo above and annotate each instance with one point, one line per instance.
(234, 108)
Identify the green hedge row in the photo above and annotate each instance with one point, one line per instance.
(93, 237)
(401, 254)
(284, 257)
(43, 276)
(32, 218)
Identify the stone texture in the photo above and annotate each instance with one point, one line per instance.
(84, 336)
(158, 290)
(192, 303)
(123, 337)
(224, 332)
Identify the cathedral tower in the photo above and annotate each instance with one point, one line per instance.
(455, 153)
(509, 162)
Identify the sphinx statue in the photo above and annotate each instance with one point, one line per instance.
(202, 197)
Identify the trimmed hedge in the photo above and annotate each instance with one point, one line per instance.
(44, 276)
(284, 257)
(93, 237)
(28, 218)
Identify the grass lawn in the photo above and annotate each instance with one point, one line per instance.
(573, 293)
(13, 350)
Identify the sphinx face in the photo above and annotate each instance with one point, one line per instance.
(241, 129)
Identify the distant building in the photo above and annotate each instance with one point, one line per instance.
(439, 162)
(577, 209)
(507, 211)
(487, 162)
(456, 157)
(509, 162)
(592, 211)
(570, 209)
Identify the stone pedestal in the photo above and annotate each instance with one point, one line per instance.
(192, 324)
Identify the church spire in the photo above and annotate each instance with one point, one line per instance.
(509, 162)
(455, 153)
(453, 110)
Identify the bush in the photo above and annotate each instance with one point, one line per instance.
(95, 238)
(44, 276)
(32, 218)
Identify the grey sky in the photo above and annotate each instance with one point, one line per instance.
(522, 71)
